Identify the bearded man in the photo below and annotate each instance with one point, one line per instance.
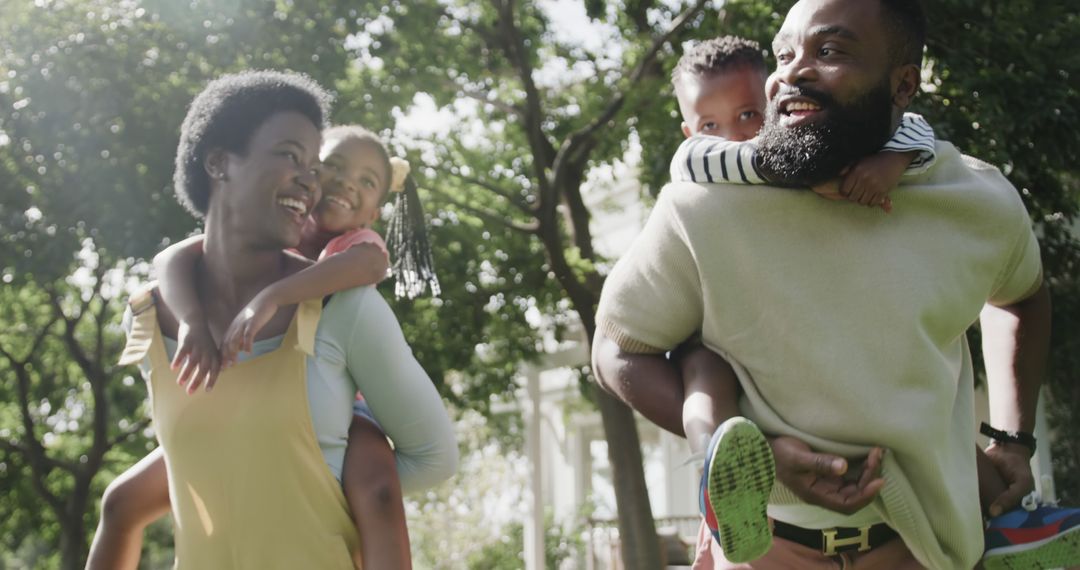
(845, 326)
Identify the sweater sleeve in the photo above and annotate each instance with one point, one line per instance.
(914, 134)
(402, 397)
(1021, 275)
(704, 158)
(652, 300)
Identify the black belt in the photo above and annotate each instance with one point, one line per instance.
(832, 541)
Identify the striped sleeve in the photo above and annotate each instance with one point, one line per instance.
(704, 158)
(914, 134)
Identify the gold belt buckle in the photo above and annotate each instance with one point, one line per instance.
(831, 543)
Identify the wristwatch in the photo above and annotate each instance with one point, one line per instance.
(1001, 436)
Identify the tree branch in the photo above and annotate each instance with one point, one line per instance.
(584, 135)
(489, 215)
(503, 106)
(515, 201)
(34, 452)
(514, 47)
(126, 434)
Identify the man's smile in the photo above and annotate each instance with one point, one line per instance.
(798, 110)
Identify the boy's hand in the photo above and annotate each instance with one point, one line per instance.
(829, 190)
(196, 357)
(869, 181)
(822, 479)
(241, 333)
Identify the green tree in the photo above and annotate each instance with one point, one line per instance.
(522, 173)
(991, 87)
(93, 93)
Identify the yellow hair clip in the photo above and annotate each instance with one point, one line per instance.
(399, 170)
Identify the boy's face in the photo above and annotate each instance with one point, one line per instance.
(728, 104)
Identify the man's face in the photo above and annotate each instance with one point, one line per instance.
(830, 98)
(728, 104)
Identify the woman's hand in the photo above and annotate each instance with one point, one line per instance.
(822, 479)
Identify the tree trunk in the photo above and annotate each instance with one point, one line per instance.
(72, 542)
(639, 544)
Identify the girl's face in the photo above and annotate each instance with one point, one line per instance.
(354, 177)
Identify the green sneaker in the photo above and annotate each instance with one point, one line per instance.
(735, 487)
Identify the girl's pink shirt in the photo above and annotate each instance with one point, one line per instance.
(351, 238)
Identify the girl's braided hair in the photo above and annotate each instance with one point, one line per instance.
(406, 234)
(406, 238)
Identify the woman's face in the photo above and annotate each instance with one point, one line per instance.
(353, 177)
(266, 195)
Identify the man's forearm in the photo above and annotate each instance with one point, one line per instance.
(1016, 342)
(648, 383)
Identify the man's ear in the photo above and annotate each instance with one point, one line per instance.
(905, 82)
(216, 164)
(685, 130)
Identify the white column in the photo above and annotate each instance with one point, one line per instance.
(1041, 466)
(534, 523)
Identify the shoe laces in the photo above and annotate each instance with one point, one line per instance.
(1034, 500)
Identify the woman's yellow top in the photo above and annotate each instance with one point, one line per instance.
(248, 484)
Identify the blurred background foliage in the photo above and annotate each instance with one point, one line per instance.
(93, 92)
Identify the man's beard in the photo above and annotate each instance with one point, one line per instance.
(808, 155)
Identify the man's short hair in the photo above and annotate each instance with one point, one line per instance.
(906, 24)
(717, 55)
(225, 115)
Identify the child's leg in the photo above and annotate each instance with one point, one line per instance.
(739, 471)
(711, 393)
(373, 491)
(136, 498)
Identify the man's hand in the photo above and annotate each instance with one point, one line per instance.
(241, 333)
(196, 357)
(819, 478)
(1013, 462)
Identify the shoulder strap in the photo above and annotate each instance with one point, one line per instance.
(307, 322)
(143, 322)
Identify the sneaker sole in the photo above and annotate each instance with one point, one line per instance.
(741, 476)
(1060, 551)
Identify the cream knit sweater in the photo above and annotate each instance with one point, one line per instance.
(844, 324)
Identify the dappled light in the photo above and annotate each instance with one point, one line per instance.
(539, 135)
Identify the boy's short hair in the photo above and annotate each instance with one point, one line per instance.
(225, 115)
(361, 134)
(718, 55)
